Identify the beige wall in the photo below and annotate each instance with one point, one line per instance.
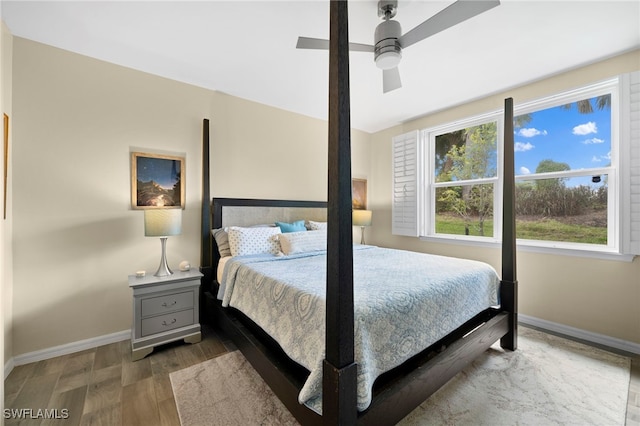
(593, 295)
(265, 152)
(5, 224)
(75, 236)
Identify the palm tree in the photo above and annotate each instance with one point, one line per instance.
(584, 106)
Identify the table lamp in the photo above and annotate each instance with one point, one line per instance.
(361, 218)
(162, 223)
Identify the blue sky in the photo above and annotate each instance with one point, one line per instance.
(565, 136)
(163, 171)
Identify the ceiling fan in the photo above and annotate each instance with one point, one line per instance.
(389, 40)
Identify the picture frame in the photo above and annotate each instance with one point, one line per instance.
(359, 194)
(157, 181)
(6, 163)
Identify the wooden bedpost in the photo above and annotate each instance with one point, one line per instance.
(206, 265)
(509, 283)
(339, 373)
(205, 251)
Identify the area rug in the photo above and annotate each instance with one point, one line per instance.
(548, 380)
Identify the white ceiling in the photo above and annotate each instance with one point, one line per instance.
(247, 48)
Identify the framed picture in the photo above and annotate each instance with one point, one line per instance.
(6, 162)
(157, 181)
(359, 194)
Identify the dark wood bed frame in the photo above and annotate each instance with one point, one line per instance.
(398, 392)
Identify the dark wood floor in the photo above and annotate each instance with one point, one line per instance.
(102, 386)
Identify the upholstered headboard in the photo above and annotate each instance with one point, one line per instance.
(248, 212)
(253, 215)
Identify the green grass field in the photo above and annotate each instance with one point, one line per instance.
(544, 229)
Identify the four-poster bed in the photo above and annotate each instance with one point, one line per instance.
(404, 387)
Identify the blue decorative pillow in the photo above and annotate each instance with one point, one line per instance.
(296, 226)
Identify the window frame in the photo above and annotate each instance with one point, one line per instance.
(611, 87)
(613, 248)
(428, 137)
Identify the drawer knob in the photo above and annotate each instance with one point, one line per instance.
(166, 305)
(172, 322)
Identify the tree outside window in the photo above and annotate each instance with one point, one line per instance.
(466, 168)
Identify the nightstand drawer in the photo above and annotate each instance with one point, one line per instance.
(167, 322)
(169, 303)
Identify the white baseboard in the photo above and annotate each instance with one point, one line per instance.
(94, 342)
(66, 349)
(8, 367)
(600, 339)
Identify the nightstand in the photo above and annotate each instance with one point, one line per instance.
(165, 309)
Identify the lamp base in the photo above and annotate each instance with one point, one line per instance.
(163, 269)
(362, 235)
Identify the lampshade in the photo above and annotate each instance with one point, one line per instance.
(162, 222)
(361, 218)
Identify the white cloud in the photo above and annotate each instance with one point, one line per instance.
(592, 141)
(531, 132)
(522, 146)
(524, 171)
(599, 159)
(585, 129)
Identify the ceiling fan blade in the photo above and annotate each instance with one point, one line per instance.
(318, 43)
(391, 80)
(312, 43)
(360, 47)
(453, 14)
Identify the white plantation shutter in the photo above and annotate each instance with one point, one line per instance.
(630, 162)
(404, 211)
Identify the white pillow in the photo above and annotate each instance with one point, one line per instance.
(300, 242)
(244, 241)
(316, 226)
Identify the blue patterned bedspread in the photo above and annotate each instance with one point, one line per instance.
(404, 302)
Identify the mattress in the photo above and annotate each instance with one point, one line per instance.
(403, 302)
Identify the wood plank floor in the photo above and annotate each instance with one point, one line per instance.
(102, 386)
(633, 403)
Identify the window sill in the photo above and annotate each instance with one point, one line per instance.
(603, 254)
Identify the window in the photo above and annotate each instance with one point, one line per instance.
(577, 156)
(564, 169)
(465, 173)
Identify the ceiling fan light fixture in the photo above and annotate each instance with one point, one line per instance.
(388, 60)
(387, 51)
